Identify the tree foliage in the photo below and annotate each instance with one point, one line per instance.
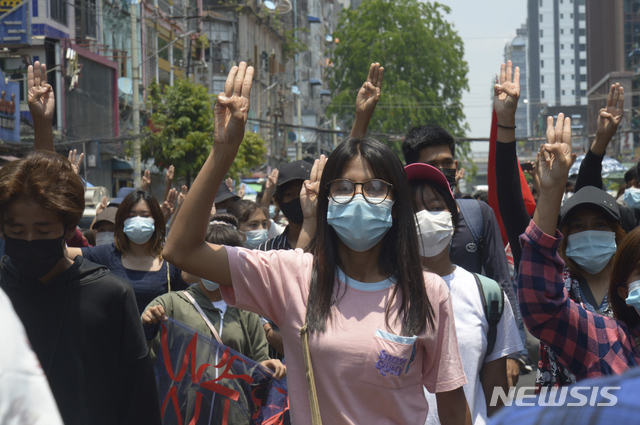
(182, 127)
(422, 54)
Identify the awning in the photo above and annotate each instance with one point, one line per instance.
(313, 20)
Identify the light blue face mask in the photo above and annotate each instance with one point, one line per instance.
(210, 286)
(633, 299)
(272, 211)
(255, 238)
(632, 197)
(592, 249)
(139, 229)
(359, 224)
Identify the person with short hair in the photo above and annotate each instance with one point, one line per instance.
(81, 320)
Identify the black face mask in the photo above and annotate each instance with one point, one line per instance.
(450, 175)
(293, 211)
(34, 259)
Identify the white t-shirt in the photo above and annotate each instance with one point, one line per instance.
(472, 328)
(24, 390)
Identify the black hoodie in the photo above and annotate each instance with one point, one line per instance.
(85, 328)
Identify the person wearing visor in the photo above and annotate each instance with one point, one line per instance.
(253, 222)
(287, 199)
(484, 356)
(136, 254)
(357, 309)
(568, 283)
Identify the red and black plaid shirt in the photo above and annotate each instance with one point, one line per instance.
(588, 344)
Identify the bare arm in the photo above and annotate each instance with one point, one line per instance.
(309, 203)
(367, 100)
(269, 189)
(494, 374)
(168, 181)
(450, 408)
(186, 247)
(274, 337)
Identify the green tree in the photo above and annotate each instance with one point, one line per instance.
(425, 73)
(182, 127)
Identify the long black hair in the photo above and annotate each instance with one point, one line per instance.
(399, 256)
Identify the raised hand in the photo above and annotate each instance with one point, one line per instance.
(272, 180)
(182, 196)
(75, 160)
(311, 188)
(369, 93)
(168, 206)
(232, 107)
(555, 157)
(102, 206)
(146, 180)
(169, 176)
(610, 117)
(242, 191)
(229, 183)
(506, 94)
(40, 94)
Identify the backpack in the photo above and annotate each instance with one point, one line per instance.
(493, 304)
(470, 209)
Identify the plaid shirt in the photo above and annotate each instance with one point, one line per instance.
(589, 345)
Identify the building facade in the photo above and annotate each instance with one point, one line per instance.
(516, 51)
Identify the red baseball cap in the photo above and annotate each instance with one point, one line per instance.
(420, 171)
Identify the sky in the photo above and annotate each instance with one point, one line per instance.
(485, 27)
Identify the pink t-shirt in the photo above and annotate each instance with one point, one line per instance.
(364, 372)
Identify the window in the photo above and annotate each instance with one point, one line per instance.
(561, 31)
(563, 92)
(59, 11)
(583, 47)
(542, 48)
(562, 16)
(583, 92)
(541, 64)
(541, 34)
(542, 79)
(572, 62)
(583, 62)
(572, 46)
(540, 3)
(571, 30)
(541, 18)
(581, 16)
(583, 77)
(582, 31)
(573, 92)
(542, 94)
(562, 47)
(572, 16)
(573, 76)
(562, 61)
(562, 77)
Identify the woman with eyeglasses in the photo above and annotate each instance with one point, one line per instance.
(379, 326)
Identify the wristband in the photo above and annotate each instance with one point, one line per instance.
(507, 127)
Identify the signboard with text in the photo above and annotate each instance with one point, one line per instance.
(15, 28)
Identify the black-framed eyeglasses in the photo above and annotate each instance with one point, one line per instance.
(374, 191)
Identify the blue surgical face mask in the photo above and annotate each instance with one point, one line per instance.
(633, 299)
(210, 286)
(272, 211)
(632, 197)
(139, 229)
(255, 238)
(592, 249)
(359, 224)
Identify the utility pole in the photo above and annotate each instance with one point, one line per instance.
(135, 105)
(299, 138)
(335, 127)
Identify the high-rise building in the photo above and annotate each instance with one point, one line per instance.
(516, 52)
(557, 54)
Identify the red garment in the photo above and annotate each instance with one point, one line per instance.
(492, 182)
(77, 240)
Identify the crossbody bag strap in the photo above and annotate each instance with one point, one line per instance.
(311, 382)
(206, 319)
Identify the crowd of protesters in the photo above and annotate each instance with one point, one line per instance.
(385, 292)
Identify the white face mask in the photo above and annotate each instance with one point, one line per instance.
(435, 230)
(104, 238)
(210, 286)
